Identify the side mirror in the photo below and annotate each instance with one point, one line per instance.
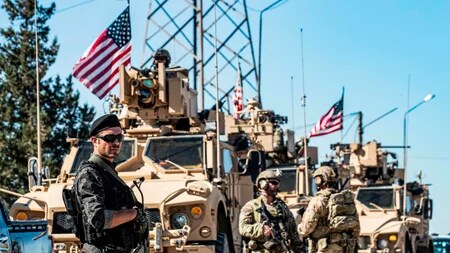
(32, 172)
(254, 164)
(428, 208)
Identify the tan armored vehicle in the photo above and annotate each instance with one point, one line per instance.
(378, 187)
(257, 133)
(192, 199)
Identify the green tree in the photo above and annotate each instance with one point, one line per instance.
(60, 111)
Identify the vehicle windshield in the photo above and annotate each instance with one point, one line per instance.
(441, 245)
(172, 152)
(85, 150)
(383, 197)
(287, 179)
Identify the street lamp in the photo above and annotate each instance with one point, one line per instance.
(405, 142)
(259, 53)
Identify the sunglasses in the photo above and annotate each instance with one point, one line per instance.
(274, 182)
(111, 138)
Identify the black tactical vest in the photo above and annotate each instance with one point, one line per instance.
(118, 196)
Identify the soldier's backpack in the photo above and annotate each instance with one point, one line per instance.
(342, 214)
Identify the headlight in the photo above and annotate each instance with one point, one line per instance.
(386, 241)
(179, 220)
(382, 243)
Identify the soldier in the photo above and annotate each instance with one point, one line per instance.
(266, 223)
(111, 221)
(330, 221)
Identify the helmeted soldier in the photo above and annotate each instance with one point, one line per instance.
(266, 223)
(330, 221)
(111, 221)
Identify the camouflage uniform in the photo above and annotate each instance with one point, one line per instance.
(251, 226)
(314, 225)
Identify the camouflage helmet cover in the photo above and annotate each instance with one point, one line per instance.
(268, 174)
(326, 172)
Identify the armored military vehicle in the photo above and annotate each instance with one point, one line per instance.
(372, 174)
(22, 236)
(193, 189)
(258, 136)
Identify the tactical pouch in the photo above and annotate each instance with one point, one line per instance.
(72, 209)
(270, 244)
(69, 202)
(322, 244)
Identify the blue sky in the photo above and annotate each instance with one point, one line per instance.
(370, 47)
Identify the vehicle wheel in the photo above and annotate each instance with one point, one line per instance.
(222, 243)
(224, 230)
(408, 247)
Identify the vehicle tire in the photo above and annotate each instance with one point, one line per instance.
(222, 245)
(408, 246)
(224, 228)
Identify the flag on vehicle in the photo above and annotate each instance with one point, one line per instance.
(332, 121)
(238, 95)
(98, 68)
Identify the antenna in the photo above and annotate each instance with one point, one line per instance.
(38, 106)
(144, 46)
(305, 144)
(292, 102)
(217, 91)
(405, 144)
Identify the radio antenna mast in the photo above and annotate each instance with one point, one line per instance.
(305, 139)
(217, 91)
(38, 107)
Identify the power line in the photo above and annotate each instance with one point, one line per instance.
(74, 6)
(431, 157)
(273, 7)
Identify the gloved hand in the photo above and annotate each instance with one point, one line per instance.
(140, 222)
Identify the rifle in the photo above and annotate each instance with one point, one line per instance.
(280, 235)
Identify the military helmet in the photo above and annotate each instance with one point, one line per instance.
(265, 176)
(324, 174)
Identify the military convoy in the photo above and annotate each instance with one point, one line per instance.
(195, 184)
(372, 174)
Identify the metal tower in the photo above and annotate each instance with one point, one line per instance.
(186, 28)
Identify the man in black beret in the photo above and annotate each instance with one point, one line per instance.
(111, 220)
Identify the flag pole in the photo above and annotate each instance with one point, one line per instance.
(342, 129)
(303, 99)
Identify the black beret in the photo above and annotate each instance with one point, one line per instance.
(104, 122)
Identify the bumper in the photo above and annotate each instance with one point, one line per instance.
(379, 251)
(188, 248)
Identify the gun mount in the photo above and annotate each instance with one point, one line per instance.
(156, 100)
(365, 164)
(261, 130)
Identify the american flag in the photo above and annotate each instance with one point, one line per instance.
(332, 121)
(238, 96)
(98, 68)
